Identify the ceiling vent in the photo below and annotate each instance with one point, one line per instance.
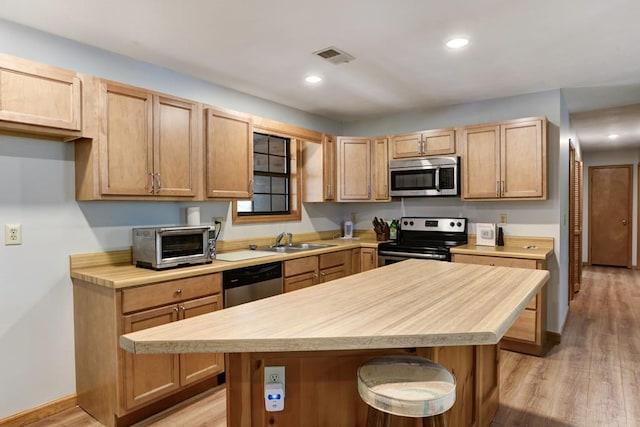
(334, 55)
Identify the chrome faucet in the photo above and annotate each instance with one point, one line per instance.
(280, 236)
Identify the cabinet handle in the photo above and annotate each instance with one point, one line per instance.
(322, 273)
(250, 187)
(369, 191)
(178, 291)
(502, 188)
(315, 275)
(175, 309)
(422, 144)
(492, 265)
(498, 188)
(151, 186)
(158, 179)
(182, 307)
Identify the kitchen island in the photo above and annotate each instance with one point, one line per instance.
(452, 313)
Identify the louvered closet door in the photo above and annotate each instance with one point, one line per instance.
(577, 224)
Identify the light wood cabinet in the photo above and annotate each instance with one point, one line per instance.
(308, 271)
(37, 99)
(363, 169)
(319, 170)
(528, 333)
(229, 154)
(144, 145)
(118, 387)
(505, 160)
(437, 142)
(369, 259)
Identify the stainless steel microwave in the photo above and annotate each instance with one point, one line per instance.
(167, 247)
(426, 177)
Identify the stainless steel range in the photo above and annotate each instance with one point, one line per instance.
(424, 238)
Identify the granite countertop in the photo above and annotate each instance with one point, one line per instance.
(414, 303)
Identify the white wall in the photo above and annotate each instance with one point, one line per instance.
(37, 190)
(603, 158)
(524, 218)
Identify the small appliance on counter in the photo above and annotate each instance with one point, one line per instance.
(158, 248)
(485, 234)
(348, 229)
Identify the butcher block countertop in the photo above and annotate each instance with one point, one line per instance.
(115, 270)
(414, 303)
(539, 248)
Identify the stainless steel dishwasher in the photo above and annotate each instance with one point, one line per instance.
(251, 283)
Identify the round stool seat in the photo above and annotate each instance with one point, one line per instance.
(407, 386)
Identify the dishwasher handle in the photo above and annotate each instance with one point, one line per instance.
(248, 275)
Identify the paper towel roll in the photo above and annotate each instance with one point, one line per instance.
(193, 215)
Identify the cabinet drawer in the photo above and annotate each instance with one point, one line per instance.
(174, 291)
(297, 266)
(332, 259)
(497, 261)
(524, 327)
(332, 273)
(298, 282)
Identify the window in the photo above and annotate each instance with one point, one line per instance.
(275, 181)
(271, 175)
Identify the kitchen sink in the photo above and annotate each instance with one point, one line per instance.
(297, 247)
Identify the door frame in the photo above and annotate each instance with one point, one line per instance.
(629, 167)
(575, 201)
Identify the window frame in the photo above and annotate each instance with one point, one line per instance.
(295, 182)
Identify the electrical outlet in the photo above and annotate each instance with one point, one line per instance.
(13, 234)
(503, 218)
(217, 218)
(274, 374)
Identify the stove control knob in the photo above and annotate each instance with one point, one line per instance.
(405, 223)
(452, 223)
(410, 222)
(459, 224)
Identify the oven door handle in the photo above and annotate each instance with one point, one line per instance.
(412, 255)
(438, 179)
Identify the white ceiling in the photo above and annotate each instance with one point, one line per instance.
(264, 48)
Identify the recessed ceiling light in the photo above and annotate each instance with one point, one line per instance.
(457, 43)
(313, 79)
(613, 136)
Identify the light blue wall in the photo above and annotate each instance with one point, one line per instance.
(37, 190)
(524, 218)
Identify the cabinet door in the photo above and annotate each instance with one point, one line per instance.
(175, 146)
(300, 281)
(149, 376)
(381, 169)
(439, 142)
(126, 155)
(481, 162)
(39, 95)
(194, 367)
(308, 264)
(356, 260)
(407, 145)
(354, 169)
(369, 259)
(329, 167)
(229, 146)
(523, 160)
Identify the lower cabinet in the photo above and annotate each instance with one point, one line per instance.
(311, 270)
(528, 333)
(368, 259)
(117, 387)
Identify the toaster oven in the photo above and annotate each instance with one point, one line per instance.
(167, 247)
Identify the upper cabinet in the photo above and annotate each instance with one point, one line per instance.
(428, 143)
(505, 160)
(319, 170)
(229, 154)
(37, 99)
(144, 145)
(363, 169)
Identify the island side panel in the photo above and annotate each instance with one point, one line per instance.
(321, 387)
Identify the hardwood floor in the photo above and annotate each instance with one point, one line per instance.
(591, 379)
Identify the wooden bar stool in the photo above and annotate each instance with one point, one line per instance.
(406, 386)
